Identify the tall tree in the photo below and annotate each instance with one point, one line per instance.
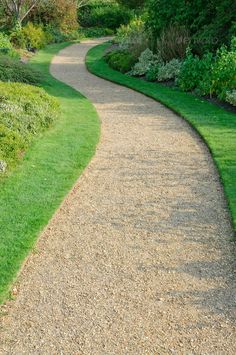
(19, 9)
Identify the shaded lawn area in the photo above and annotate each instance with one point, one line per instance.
(35, 189)
(216, 126)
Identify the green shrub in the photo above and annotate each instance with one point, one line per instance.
(6, 46)
(120, 60)
(231, 97)
(55, 35)
(15, 71)
(35, 36)
(224, 73)
(133, 37)
(11, 145)
(169, 71)
(106, 15)
(94, 32)
(146, 59)
(196, 74)
(209, 74)
(25, 111)
(152, 72)
(5, 41)
(30, 37)
(18, 39)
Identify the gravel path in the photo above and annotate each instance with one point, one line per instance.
(138, 259)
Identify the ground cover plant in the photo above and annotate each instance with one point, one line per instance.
(216, 125)
(15, 71)
(25, 111)
(32, 192)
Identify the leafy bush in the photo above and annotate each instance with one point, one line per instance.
(133, 37)
(11, 145)
(15, 71)
(30, 37)
(6, 46)
(152, 72)
(209, 74)
(196, 74)
(224, 73)
(120, 60)
(106, 15)
(34, 35)
(25, 111)
(94, 32)
(173, 43)
(146, 59)
(55, 35)
(231, 97)
(169, 71)
(18, 39)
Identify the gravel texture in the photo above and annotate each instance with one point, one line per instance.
(139, 257)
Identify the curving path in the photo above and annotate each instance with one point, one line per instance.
(138, 259)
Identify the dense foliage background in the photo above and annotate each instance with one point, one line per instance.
(210, 23)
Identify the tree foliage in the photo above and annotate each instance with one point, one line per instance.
(60, 14)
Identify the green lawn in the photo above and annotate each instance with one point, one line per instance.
(216, 126)
(35, 189)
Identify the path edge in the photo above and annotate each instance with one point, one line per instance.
(89, 65)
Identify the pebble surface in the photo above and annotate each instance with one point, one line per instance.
(138, 259)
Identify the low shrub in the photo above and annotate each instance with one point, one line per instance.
(196, 74)
(133, 37)
(147, 59)
(18, 39)
(30, 37)
(15, 71)
(169, 71)
(25, 111)
(224, 73)
(11, 146)
(94, 32)
(120, 60)
(6, 46)
(231, 97)
(152, 72)
(209, 75)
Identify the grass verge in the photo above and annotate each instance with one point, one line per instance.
(52, 164)
(216, 126)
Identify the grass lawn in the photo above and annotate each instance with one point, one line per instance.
(34, 190)
(216, 126)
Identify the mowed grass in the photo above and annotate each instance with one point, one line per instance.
(216, 126)
(33, 191)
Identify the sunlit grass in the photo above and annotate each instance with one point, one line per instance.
(32, 193)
